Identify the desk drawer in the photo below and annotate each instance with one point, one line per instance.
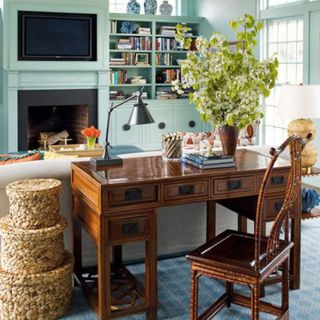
(124, 196)
(125, 229)
(278, 181)
(236, 186)
(186, 190)
(272, 207)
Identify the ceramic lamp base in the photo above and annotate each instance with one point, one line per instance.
(309, 155)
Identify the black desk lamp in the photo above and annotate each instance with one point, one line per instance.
(139, 115)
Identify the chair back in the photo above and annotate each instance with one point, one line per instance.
(296, 145)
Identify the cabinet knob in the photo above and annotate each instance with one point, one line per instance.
(192, 124)
(126, 127)
(161, 125)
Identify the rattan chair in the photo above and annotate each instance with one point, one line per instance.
(249, 259)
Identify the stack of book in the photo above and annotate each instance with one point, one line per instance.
(124, 44)
(144, 31)
(165, 95)
(138, 80)
(117, 61)
(168, 31)
(208, 161)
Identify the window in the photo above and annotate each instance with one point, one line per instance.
(284, 37)
(272, 3)
(120, 6)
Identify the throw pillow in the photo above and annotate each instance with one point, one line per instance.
(16, 158)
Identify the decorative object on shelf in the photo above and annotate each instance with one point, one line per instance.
(142, 59)
(227, 82)
(128, 27)
(172, 146)
(139, 115)
(166, 8)
(301, 102)
(133, 7)
(310, 199)
(91, 135)
(150, 6)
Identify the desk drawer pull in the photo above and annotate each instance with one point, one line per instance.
(277, 206)
(133, 194)
(277, 180)
(186, 190)
(130, 228)
(234, 185)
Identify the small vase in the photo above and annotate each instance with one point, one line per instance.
(133, 7)
(150, 6)
(91, 143)
(166, 8)
(229, 139)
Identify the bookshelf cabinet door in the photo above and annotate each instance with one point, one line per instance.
(165, 121)
(189, 119)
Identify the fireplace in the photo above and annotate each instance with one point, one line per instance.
(51, 111)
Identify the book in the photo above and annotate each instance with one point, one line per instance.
(208, 166)
(198, 158)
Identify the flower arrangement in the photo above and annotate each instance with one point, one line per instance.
(91, 135)
(226, 80)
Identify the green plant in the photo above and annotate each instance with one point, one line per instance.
(227, 81)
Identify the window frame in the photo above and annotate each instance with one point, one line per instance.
(264, 50)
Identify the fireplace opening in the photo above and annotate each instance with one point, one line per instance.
(56, 124)
(54, 117)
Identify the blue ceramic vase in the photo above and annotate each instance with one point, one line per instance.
(150, 6)
(310, 199)
(133, 7)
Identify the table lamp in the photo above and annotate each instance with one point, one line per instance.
(302, 103)
(139, 115)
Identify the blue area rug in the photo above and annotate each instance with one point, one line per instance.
(174, 286)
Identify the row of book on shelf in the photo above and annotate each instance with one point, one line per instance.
(208, 160)
(121, 77)
(167, 44)
(160, 95)
(130, 59)
(134, 43)
(168, 75)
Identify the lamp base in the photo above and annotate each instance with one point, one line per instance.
(309, 155)
(101, 162)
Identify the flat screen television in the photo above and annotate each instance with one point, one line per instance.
(57, 36)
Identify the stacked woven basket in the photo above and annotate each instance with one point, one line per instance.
(35, 269)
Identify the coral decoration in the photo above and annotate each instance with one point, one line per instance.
(91, 132)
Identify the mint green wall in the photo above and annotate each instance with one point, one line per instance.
(219, 12)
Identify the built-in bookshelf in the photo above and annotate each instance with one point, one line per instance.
(143, 52)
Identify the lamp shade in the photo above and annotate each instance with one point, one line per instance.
(299, 101)
(140, 114)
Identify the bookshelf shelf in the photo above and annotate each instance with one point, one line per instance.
(162, 57)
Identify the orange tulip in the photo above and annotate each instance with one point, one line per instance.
(91, 132)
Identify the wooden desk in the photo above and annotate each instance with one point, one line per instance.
(118, 205)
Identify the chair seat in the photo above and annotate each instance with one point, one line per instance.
(233, 250)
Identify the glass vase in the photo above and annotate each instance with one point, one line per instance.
(91, 143)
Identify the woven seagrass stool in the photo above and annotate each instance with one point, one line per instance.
(249, 259)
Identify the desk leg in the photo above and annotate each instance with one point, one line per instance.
(211, 219)
(77, 248)
(104, 271)
(117, 255)
(151, 275)
(242, 223)
(295, 253)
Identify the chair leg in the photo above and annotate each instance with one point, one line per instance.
(255, 301)
(194, 296)
(285, 285)
(229, 292)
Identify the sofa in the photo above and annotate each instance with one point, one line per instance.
(187, 222)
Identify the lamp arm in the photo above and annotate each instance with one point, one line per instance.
(112, 107)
